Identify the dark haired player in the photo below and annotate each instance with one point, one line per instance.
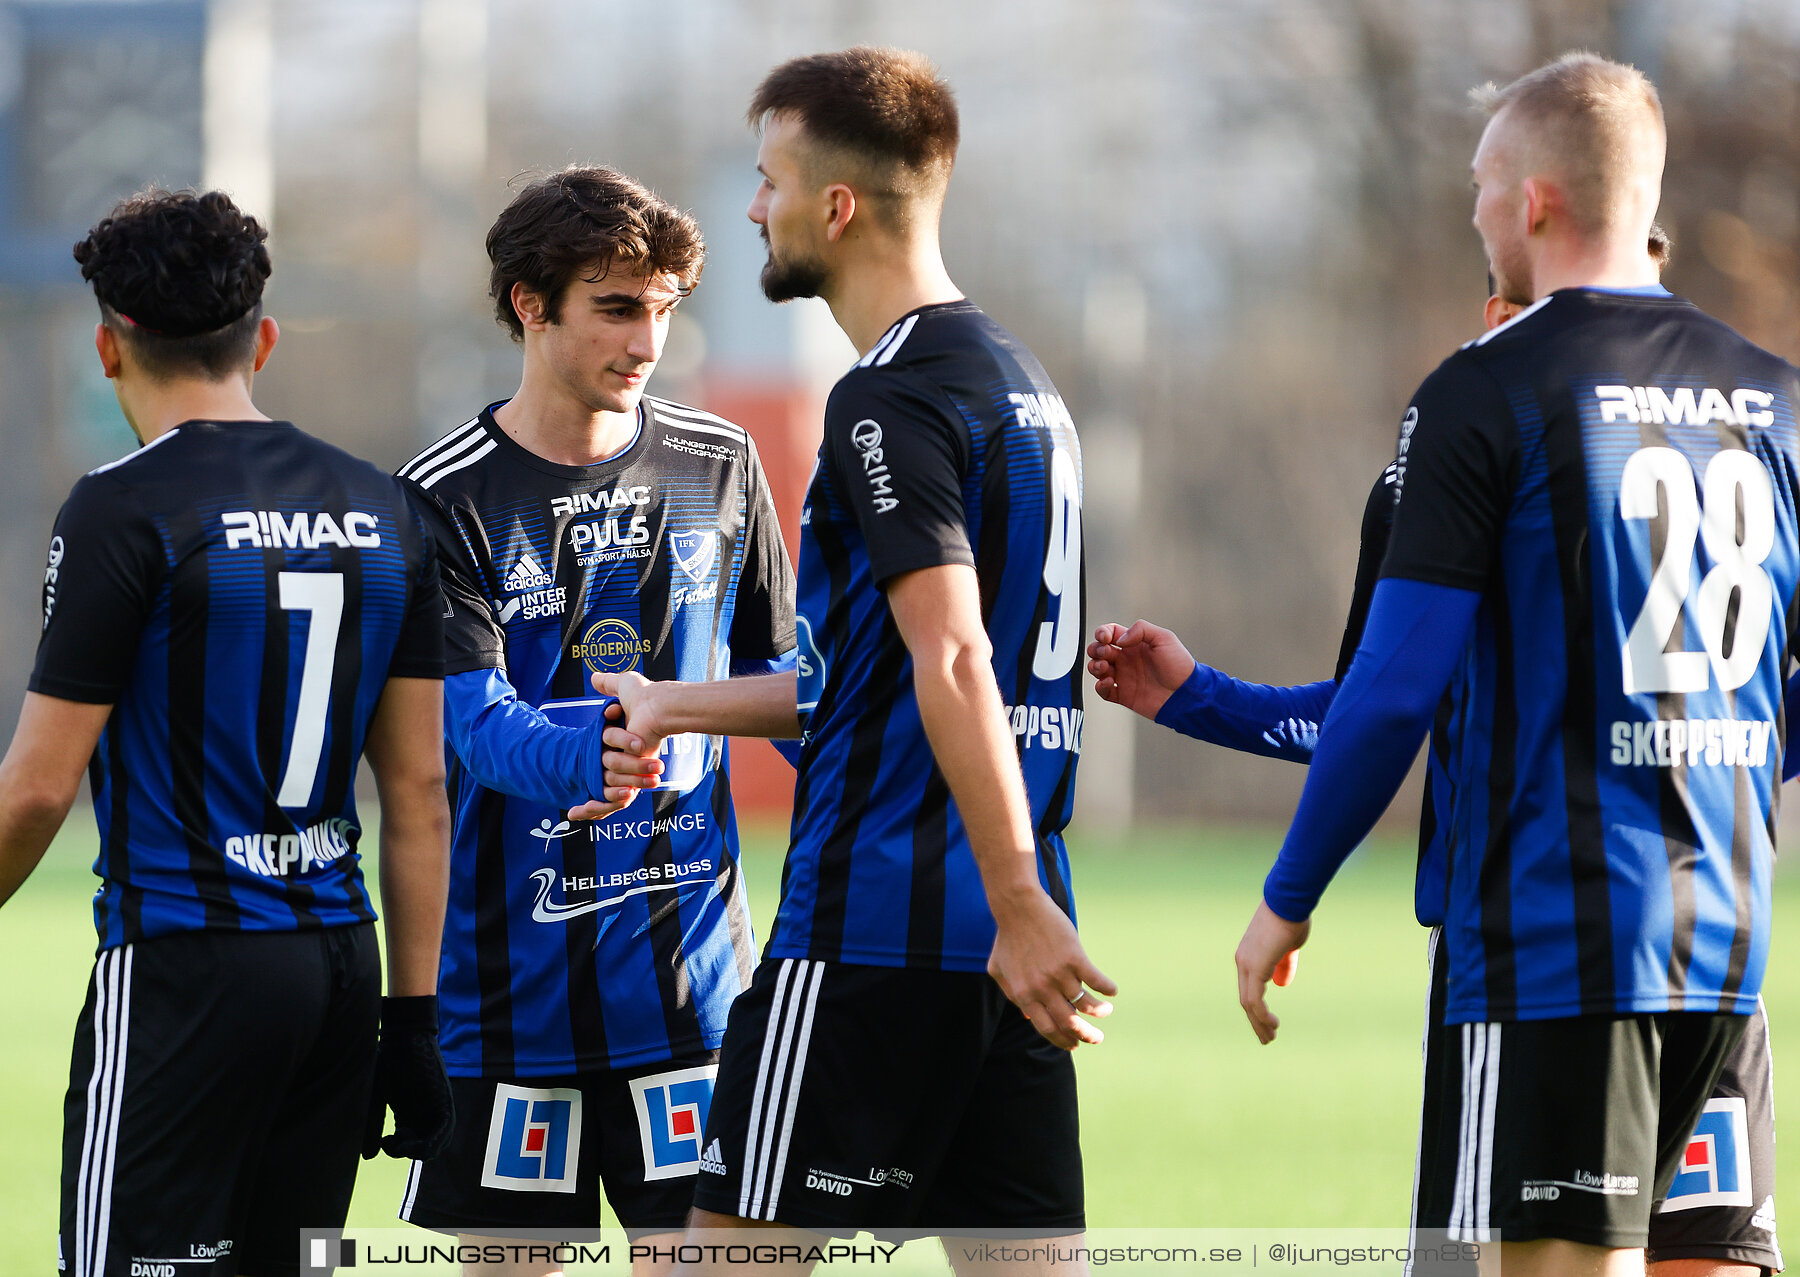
(940, 623)
(1594, 554)
(585, 527)
(233, 615)
(1719, 1217)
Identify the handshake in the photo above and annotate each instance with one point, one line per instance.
(634, 736)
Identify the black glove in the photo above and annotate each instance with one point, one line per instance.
(410, 1079)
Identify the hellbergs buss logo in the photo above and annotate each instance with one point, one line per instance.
(636, 882)
(534, 1140)
(1715, 1168)
(671, 1112)
(610, 647)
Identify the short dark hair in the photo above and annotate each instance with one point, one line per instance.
(179, 276)
(889, 108)
(583, 221)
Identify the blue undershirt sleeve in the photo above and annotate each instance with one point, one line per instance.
(1790, 758)
(1416, 636)
(511, 747)
(1255, 718)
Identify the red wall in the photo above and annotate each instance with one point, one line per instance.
(783, 418)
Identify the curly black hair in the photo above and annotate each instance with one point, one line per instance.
(185, 271)
(582, 221)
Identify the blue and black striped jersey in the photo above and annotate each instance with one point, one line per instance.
(240, 593)
(571, 947)
(1617, 476)
(946, 444)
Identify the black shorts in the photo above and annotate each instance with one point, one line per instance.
(857, 1097)
(529, 1154)
(216, 1102)
(1721, 1203)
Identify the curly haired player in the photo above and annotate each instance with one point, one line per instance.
(234, 614)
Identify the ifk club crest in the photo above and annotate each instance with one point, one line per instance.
(694, 552)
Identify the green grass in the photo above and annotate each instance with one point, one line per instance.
(1186, 1121)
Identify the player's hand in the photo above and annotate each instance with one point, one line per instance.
(1138, 667)
(625, 773)
(1268, 951)
(410, 1079)
(643, 732)
(1039, 964)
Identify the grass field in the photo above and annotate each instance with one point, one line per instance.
(1186, 1121)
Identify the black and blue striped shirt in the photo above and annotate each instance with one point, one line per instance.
(946, 444)
(240, 593)
(1617, 477)
(572, 946)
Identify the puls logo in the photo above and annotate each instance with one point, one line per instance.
(620, 535)
(534, 1140)
(671, 1112)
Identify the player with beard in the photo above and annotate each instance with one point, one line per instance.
(1607, 904)
(1718, 1220)
(939, 693)
(585, 526)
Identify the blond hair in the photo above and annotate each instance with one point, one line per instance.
(1594, 126)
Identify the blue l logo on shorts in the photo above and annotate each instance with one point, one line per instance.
(534, 1139)
(536, 1147)
(1715, 1166)
(671, 1111)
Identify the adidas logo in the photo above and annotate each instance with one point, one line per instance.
(526, 574)
(1763, 1219)
(713, 1163)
